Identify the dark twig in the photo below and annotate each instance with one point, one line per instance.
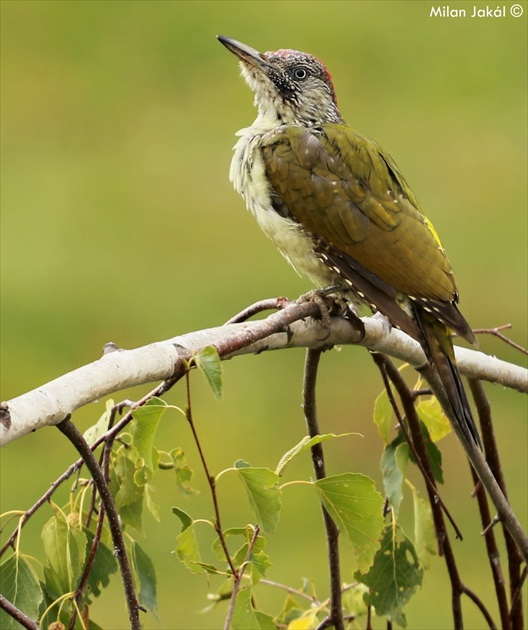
(429, 480)
(328, 623)
(369, 618)
(482, 468)
(496, 333)
(17, 614)
(444, 543)
(493, 553)
(269, 304)
(425, 391)
(517, 594)
(73, 434)
(88, 566)
(480, 605)
(210, 479)
(238, 578)
(104, 462)
(105, 451)
(71, 470)
(332, 531)
(10, 542)
(492, 456)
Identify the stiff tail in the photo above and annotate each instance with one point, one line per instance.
(440, 352)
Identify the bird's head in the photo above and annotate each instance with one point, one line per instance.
(290, 87)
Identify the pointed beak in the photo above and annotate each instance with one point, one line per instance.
(246, 54)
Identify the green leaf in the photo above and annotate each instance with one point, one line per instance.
(20, 586)
(126, 490)
(146, 575)
(152, 506)
(184, 473)
(258, 561)
(357, 508)
(435, 455)
(132, 515)
(245, 617)
(129, 496)
(208, 361)
(353, 599)
(306, 443)
(307, 621)
(209, 568)
(264, 494)
(291, 610)
(393, 466)
(65, 549)
(144, 474)
(93, 433)
(425, 540)
(186, 519)
(231, 531)
(383, 415)
(104, 565)
(147, 419)
(187, 544)
(432, 415)
(394, 576)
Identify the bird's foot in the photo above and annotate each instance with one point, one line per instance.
(328, 306)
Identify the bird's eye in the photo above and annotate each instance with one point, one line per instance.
(299, 73)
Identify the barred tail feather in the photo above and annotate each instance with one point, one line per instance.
(441, 354)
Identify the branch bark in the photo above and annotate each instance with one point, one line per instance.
(292, 326)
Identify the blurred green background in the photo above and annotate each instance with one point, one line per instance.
(119, 224)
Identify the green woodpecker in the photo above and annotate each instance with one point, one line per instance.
(339, 210)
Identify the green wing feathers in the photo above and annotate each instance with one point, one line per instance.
(366, 224)
(343, 188)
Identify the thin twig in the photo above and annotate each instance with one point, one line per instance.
(104, 462)
(88, 566)
(73, 434)
(429, 480)
(210, 479)
(73, 468)
(291, 590)
(481, 466)
(327, 621)
(496, 333)
(517, 594)
(269, 304)
(17, 614)
(332, 531)
(406, 398)
(480, 605)
(493, 458)
(111, 421)
(238, 578)
(425, 391)
(493, 553)
(493, 521)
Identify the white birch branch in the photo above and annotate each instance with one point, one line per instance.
(119, 369)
